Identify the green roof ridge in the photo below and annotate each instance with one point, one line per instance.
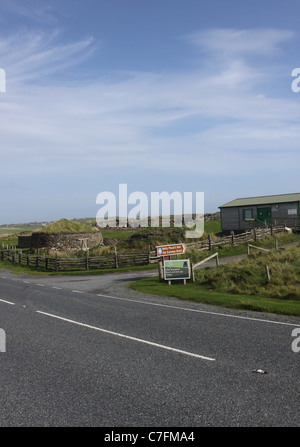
(259, 200)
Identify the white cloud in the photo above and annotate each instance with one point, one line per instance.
(29, 56)
(136, 119)
(239, 42)
(34, 10)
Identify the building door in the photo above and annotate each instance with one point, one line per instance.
(264, 214)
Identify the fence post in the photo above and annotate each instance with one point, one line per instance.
(116, 258)
(209, 242)
(56, 262)
(276, 243)
(248, 250)
(87, 259)
(192, 273)
(232, 237)
(267, 274)
(160, 270)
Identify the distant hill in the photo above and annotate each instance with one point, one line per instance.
(66, 226)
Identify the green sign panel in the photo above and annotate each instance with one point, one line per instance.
(177, 269)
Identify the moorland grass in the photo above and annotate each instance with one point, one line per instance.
(241, 285)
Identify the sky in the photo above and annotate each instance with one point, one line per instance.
(160, 95)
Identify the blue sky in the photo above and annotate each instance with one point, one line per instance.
(165, 95)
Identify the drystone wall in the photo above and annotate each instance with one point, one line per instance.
(61, 241)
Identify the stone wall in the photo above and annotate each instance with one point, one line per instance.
(62, 241)
(24, 241)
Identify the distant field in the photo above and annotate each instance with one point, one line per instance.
(17, 229)
(8, 234)
(213, 226)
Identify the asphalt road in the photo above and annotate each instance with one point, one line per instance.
(86, 351)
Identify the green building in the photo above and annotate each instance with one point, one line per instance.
(244, 213)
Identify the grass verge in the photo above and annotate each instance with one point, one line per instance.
(203, 294)
(241, 285)
(21, 269)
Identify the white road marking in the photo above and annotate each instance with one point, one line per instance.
(200, 311)
(117, 334)
(26, 282)
(220, 314)
(7, 302)
(41, 285)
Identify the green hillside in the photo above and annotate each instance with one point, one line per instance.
(66, 226)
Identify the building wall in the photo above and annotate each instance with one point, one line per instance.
(285, 210)
(232, 218)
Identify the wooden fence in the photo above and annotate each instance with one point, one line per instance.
(124, 259)
(235, 239)
(115, 260)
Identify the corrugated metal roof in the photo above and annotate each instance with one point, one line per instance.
(263, 200)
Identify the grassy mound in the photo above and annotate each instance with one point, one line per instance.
(66, 226)
(248, 277)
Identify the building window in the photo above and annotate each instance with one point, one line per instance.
(248, 214)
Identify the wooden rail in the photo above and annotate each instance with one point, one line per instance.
(257, 248)
(215, 255)
(115, 260)
(235, 239)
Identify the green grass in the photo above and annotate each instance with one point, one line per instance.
(18, 229)
(11, 240)
(22, 269)
(145, 237)
(213, 226)
(97, 272)
(241, 285)
(203, 294)
(249, 275)
(66, 226)
(233, 250)
(117, 234)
